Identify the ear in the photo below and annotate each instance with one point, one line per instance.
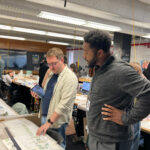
(62, 59)
(100, 53)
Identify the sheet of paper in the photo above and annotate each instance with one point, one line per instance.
(36, 143)
(145, 124)
(81, 97)
(24, 132)
(9, 144)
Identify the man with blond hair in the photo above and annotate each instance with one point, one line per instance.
(60, 91)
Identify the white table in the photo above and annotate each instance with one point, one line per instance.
(24, 133)
(26, 81)
(145, 124)
(81, 101)
(8, 109)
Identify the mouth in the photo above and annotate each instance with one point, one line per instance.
(53, 70)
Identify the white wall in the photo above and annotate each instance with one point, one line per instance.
(142, 54)
(76, 54)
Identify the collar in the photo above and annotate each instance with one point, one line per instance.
(62, 73)
(108, 61)
(64, 70)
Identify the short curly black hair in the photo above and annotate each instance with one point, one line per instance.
(98, 40)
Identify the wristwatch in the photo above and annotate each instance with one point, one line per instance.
(49, 121)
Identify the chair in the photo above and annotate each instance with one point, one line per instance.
(20, 108)
(55, 135)
(3, 90)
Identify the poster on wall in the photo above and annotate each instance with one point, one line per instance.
(35, 59)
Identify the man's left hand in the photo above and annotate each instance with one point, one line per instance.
(43, 129)
(112, 113)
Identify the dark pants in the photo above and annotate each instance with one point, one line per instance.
(94, 144)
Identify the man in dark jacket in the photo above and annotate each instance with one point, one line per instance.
(43, 68)
(115, 83)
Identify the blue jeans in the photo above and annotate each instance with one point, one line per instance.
(60, 130)
(43, 120)
(136, 140)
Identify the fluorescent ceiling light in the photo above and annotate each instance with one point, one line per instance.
(53, 34)
(5, 27)
(65, 36)
(32, 31)
(59, 43)
(12, 37)
(76, 21)
(28, 30)
(147, 36)
(62, 18)
(102, 26)
(78, 38)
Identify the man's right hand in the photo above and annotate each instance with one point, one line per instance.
(112, 114)
(34, 95)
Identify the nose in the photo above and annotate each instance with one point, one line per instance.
(84, 56)
(51, 67)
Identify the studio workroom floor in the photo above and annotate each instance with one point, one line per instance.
(74, 145)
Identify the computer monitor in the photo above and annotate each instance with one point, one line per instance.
(86, 86)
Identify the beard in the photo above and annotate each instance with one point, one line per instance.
(92, 63)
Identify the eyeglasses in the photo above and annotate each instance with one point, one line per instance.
(52, 64)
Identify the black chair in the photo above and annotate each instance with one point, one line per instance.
(3, 89)
(55, 135)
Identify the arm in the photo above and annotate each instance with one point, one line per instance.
(138, 87)
(47, 125)
(125, 118)
(8, 78)
(68, 94)
(33, 94)
(139, 111)
(64, 106)
(133, 84)
(45, 77)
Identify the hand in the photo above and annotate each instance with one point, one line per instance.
(112, 113)
(34, 95)
(43, 128)
(15, 79)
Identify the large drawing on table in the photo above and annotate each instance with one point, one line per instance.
(24, 133)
